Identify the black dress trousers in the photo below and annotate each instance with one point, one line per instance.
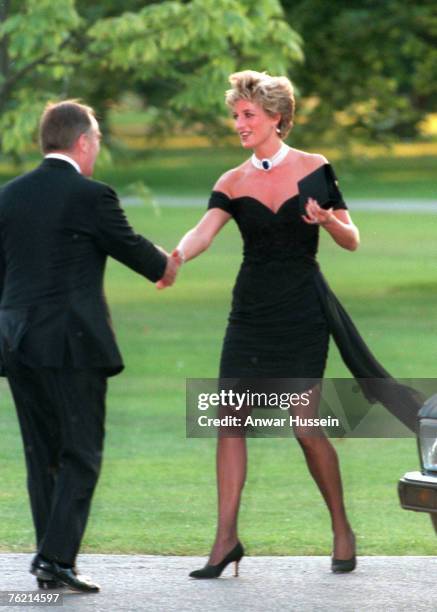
(61, 414)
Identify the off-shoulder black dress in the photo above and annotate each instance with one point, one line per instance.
(283, 312)
(277, 327)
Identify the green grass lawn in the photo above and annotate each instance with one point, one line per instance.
(157, 490)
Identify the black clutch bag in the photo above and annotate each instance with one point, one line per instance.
(322, 186)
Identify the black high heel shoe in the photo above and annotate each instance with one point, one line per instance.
(341, 566)
(214, 571)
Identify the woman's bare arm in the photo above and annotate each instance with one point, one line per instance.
(336, 222)
(198, 239)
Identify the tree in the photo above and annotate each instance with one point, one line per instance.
(53, 50)
(370, 68)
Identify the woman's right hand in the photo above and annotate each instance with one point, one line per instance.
(174, 262)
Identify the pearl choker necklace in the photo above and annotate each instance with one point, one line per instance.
(266, 163)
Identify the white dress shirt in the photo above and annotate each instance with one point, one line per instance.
(64, 158)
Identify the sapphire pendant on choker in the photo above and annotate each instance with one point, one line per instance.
(266, 163)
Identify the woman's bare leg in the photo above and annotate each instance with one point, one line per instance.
(231, 475)
(323, 465)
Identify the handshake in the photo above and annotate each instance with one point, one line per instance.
(174, 261)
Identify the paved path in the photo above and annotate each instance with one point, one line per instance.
(266, 584)
(386, 205)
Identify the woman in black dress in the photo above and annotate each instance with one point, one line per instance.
(278, 326)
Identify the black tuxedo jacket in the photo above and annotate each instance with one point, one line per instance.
(56, 230)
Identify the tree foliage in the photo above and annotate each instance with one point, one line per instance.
(370, 68)
(53, 50)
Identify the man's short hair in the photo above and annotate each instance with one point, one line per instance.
(62, 123)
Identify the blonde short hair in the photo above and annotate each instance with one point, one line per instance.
(273, 94)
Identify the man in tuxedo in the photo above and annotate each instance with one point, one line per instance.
(57, 345)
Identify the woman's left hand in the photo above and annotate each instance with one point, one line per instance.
(315, 215)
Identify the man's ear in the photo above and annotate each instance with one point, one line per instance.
(82, 143)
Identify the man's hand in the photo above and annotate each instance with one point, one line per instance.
(174, 261)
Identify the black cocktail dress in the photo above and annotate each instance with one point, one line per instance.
(283, 311)
(277, 327)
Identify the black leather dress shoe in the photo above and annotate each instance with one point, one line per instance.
(67, 576)
(49, 584)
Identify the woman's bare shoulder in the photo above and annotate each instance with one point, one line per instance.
(310, 161)
(226, 183)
